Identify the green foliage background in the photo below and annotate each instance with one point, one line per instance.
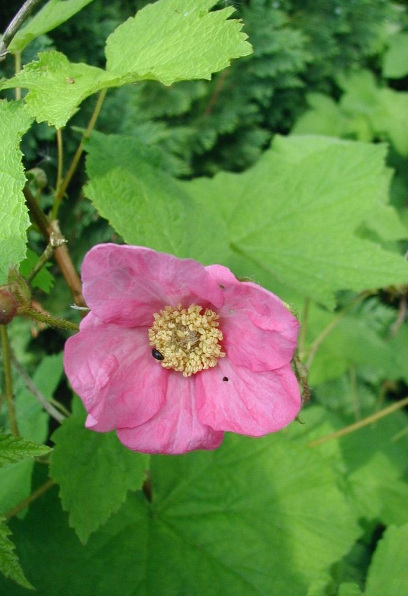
(290, 167)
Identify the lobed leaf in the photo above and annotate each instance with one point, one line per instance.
(296, 212)
(94, 472)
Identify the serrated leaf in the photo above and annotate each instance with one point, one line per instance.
(175, 40)
(189, 43)
(296, 211)
(253, 517)
(14, 220)
(44, 279)
(49, 17)
(9, 564)
(14, 449)
(94, 472)
(145, 205)
(57, 86)
(387, 575)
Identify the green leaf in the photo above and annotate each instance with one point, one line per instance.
(387, 575)
(350, 590)
(57, 86)
(94, 472)
(167, 41)
(44, 279)
(296, 211)
(175, 40)
(14, 449)
(145, 205)
(15, 479)
(14, 220)
(49, 17)
(395, 60)
(257, 516)
(9, 564)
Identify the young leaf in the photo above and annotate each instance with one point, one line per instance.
(14, 219)
(167, 41)
(94, 472)
(296, 211)
(145, 205)
(14, 449)
(176, 40)
(49, 17)
(9, 564)
(387, 575)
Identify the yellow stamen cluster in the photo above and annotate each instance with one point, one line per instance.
(188, 340)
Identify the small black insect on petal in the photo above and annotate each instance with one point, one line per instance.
(156, 354)
(225, 378)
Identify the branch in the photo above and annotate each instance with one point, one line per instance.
(29, 383)
(15, 25)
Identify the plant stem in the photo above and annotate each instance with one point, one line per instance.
(37, 493)
(302, 334)
(15, 25)
(61, 253)
(75, 160)
(361, 423)
(29, 383)
(42, 317)
(318, 341)
(8, 379)
(17, 68)
(60, 158)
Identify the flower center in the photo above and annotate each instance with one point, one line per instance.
(186, 340)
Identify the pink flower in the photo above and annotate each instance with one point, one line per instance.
(173, 353)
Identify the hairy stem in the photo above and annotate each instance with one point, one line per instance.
(15, 25)
(8, 380)
(42, 317)
(361, 423)
(37, 493)
(60, 158)
(75, 160)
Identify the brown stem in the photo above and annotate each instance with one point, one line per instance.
(62, 256)
(37, 493)
(15, 25)
(216, 93)
(8, 381)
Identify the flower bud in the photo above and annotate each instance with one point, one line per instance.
(8, 305)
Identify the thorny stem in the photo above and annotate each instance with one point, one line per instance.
(29, 383)
(42, 317)
(37, 493)
(62, 257)
(361, 423)
(15, 25)
(318, 341)
(8, 380)
(75, 160)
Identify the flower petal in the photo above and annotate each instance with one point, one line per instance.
(175, 428)
(111, 368)
(234, 398)
(127, 284)
(259, 332)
